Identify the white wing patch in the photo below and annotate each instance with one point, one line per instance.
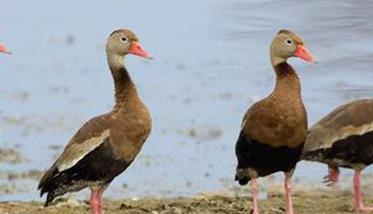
(75, 152)
(352, 130)
(325, 138)
(243, 123)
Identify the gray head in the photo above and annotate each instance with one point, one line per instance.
(122, 42)
(287, 44)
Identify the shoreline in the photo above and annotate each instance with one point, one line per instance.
(305, 202)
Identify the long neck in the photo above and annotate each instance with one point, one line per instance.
(124, 87)
(287, 80)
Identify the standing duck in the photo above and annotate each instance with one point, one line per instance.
(107, 144)
(344, 138)
(274, 129)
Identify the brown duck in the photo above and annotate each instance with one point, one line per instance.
(344, 138)
(274, 129)
(106, 145)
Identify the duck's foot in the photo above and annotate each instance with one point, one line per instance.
(363, 209)
(332, 178)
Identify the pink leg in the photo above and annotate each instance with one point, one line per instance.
(288, 201)
(333, 176)
(254, 192)
(359, 206)
(96, 201)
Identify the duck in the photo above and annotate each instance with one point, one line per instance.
(344, 138)
(106, 145)
(3, 49)
(273, 130)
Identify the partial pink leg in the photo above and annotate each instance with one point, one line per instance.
(333, 176)
(288, 201)
(96, 201)
(254, 192)
(359, 205)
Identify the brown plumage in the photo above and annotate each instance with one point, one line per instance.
(106, 145)
(343, 138)
(274, 129)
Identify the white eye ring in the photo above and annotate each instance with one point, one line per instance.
(289, 42)
(124, 39)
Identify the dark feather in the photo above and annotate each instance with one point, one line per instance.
(355, 149)
(99, 167)
(264, 159)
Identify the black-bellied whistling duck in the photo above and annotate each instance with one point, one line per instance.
(344, 138)
(274, 129)
(3, 49)
(106, 145)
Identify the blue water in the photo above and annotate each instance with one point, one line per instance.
(211, 63)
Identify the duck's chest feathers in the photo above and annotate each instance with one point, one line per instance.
(286, 110)
(279, 122)
(288, 113)
(130, 130)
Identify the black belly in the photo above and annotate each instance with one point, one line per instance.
(263, 158)
(355, 149)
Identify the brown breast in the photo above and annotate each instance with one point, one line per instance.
(131, 126)
(280, 119)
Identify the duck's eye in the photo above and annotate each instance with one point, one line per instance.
(124, 39)
(289, 42)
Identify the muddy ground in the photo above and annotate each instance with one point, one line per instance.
(321, 202)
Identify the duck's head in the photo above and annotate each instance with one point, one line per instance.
(3, 49)
(287, 44)
(122, 42)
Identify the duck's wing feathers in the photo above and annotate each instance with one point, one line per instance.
(93, 133)
(354, 118)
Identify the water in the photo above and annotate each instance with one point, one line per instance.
(211, 63)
